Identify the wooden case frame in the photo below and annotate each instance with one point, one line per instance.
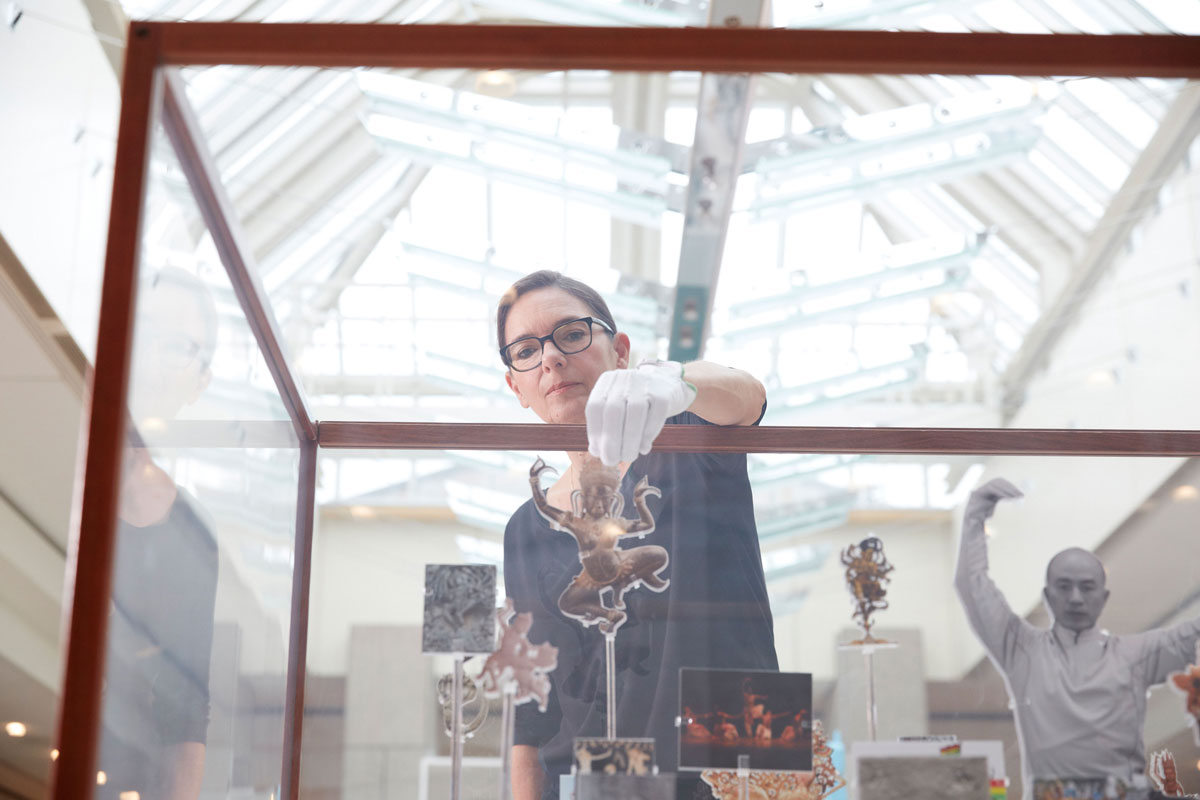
(152, 91)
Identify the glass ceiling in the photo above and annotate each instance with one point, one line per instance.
(899, 250)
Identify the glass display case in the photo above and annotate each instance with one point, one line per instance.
(935, 260)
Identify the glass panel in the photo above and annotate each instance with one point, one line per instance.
(922, 250)
(195, 680)
(372, 726)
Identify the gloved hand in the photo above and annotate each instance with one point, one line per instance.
(984, 499)
(628, 407)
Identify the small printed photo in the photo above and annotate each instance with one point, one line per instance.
(728, 713)
(599, 756)
(624, 787)
(460, 608)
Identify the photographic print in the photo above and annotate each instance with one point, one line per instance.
(599, 756)
(727, 713)
(460, 615)
(624, 787)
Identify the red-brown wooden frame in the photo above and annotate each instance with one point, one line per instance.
(154, 46)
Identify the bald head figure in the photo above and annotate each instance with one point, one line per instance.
(1075, 589)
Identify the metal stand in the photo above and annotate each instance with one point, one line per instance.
(507, 721)
(743, 775)
(456, 727)
(610, 681)
(868, 647)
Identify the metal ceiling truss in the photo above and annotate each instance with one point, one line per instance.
(722, 112)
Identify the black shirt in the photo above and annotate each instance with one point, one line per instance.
(159, 646)
(715, 613)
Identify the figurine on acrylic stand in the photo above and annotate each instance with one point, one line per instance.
(458, 622)
(867, 571)
(1164, 775)
(516, 672)
(596, 523)
(597, 526)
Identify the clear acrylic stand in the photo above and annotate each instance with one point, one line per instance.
(743, 775)
(456, 729)
(610, 681)
(868, 647)
(507, 722)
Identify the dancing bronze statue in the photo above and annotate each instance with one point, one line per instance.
(596, 523)
(867, 571)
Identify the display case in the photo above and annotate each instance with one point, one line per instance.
(944, 262)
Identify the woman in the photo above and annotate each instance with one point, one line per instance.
(568, 362)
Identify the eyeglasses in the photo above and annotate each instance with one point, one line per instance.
(570, 337)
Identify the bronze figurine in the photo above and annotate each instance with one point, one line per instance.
(867, 571)
(596, 523)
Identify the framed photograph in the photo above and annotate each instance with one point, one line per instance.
(624, 787)
(460, 609)
(599, 756)
(728, 713)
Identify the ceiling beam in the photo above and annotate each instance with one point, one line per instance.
(722, 112)
(110, 24)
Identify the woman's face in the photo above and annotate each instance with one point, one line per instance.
(558, 389)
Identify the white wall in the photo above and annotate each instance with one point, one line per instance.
(59, 100)
(31, 579)
(371, 572)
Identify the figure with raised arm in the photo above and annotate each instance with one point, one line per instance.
(1078, 692)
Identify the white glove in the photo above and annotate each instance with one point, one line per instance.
(628, 407)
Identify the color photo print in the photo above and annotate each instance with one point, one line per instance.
(599, 756)
(460, 609)
(727, 713)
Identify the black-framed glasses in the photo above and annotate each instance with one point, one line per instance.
(570, 337)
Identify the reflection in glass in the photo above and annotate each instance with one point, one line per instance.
(196, 662)
(157, 695)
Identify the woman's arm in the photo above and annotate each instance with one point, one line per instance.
(527, 772)
(724, 395)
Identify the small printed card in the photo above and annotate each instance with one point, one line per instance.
(599, 756)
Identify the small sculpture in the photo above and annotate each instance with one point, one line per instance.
(1164, 775)
(866, 573)
(596, 523)
(516, 662)
(821, 782)
(470, 694)
(1188, 684)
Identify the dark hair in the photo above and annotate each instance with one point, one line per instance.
(549, 279)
